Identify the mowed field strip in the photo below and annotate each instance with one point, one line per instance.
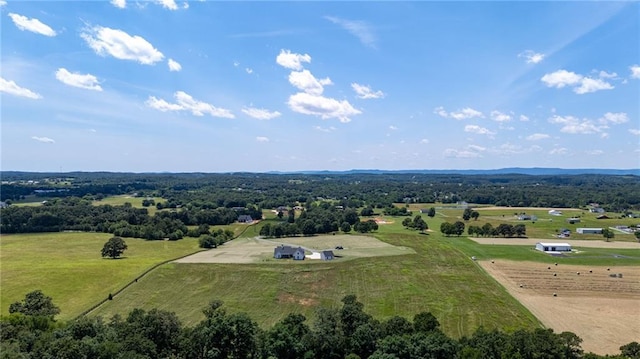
(255, 250)
(601, 309)
(574, 242)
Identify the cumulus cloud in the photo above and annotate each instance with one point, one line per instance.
(85, 81)
(524, 118)
(607, 75)
(424, 140)
(537, 137)
(478, 130)
(323, 129)
(581, 84)
(34, 25)
(323, 107)
(174, 65)
(614, 118)
(168, 4)
(393, 128)
(531, 57)
(3, 3)
(121, 4)
(558, 151)
(561, 78)
(184, 102)
(575, 125)
(291, 60)
(43, 139)
(248, 70)
(594, 152)
(360, 29)
(451, 152)
(365, 92)
(306, 82)
(635, 71)
(12, 88)
(262, 139)
(119, 44)
(634, 131)
(463, 114)
(261, 113)
(500, 117)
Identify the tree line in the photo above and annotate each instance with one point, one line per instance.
(30, 331)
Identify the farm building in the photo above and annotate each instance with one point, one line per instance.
(283, 252)
(589, 230)
(553, 247)
(573, 220)
(326, 255)
(555, 212)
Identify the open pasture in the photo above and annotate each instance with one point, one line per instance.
(69, 268)
(135, 202)
(256, 250)
(599, 308)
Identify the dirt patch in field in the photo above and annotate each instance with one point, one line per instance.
(601, 309)
(574, 242)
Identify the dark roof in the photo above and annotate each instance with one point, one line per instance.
(286, 250)
(327, 253)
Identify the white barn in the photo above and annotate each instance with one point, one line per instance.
(553, 247)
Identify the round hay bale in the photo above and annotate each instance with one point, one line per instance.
(555, 274)
(578, 273)
(555, 294)
(492, 261)
(548, 267)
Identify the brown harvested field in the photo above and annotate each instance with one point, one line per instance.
(259, 250)
(602, 310)
(494, 208)
(574, 242)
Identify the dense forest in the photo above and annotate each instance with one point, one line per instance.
(345, 332)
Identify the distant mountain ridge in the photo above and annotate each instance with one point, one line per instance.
(533, 171)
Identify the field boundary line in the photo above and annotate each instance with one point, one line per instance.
(147, 271)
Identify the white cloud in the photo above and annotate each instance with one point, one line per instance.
(291, 60)
(365, 92)
(607, 75)
(357, 28)
(424, 140)
(500, 117)
(121, 4)
(524, 118)
(588, 85)
(634, 131)
(559, 151)
(450, 152)
(43, 139)
(537, 137)
(184, 102)
(465, 113)
(531, 56)
(306, 82)
(236, 63)
(594, 152)
(635, 71)
(615, 118)
(12, 88)
(261, 113)
(561, 78)
(119, 44)
(574, 125)
(322, 129)
(393, 128)
(249, 70)
(262, 139)
(581, 84)
(3, 3)
(33, 25)
(174, 65)
(168, 4)
(478, 130)
(86, 81)
(323, 107)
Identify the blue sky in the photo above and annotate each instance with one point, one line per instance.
(284, 86)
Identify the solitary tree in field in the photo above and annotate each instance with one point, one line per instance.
(607, 234)
(36, 304)
(114, 247)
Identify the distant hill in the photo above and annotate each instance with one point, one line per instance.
(534, 171)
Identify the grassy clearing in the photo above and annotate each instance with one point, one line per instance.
(135, 202)
(68, 267)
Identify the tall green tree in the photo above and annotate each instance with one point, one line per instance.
(114, 247)
(35, 303)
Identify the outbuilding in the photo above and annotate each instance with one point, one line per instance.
(589, 230)
(326, 255)
(553, 247)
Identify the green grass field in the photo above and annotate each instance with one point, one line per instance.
(135, 202)
(68, 267)
(439, 277)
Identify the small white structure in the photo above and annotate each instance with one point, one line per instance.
(555, 212)
(589, 230)
(553, 247)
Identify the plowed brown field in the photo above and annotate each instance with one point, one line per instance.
(602, 310)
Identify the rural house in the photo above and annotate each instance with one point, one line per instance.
(283, 252)
(245, 218)
(326, 255)
(553, 247)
